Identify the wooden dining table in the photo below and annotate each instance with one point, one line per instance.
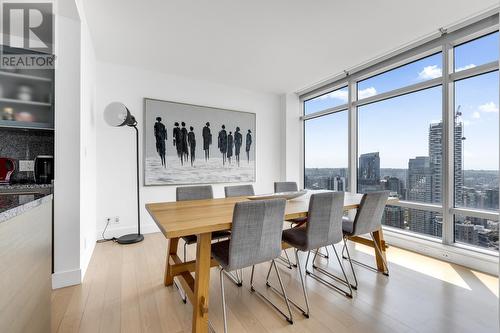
(201, 218)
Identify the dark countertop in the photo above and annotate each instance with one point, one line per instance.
(12, 205)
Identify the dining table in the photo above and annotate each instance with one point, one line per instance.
(201, 218)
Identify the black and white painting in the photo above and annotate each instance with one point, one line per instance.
(191, 144)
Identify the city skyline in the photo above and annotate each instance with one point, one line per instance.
(477, 97)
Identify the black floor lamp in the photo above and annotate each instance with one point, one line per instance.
(116, 114)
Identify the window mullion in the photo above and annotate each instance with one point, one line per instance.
(353, 136)
(447, 187)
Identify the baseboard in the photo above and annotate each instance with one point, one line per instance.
(66, 278)
(471, 259)
(120, 231)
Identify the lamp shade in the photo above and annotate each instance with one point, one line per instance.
(116, 114)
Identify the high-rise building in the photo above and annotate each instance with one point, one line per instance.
(395, 186)
(420, 190)
(394, 216)
(369, 172)
(491, 199)
(336, 183)
(436, 160)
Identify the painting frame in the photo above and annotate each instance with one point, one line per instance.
(147, 138)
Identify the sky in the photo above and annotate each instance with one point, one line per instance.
(398, 128)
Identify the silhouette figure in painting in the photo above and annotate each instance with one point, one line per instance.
(230, 147)
(222, 143)
(177, 141)
(207, 140)
(160, 136)
(248, 144)
(184, 136)
(238, 141)
(192, 144)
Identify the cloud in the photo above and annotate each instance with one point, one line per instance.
(488, 107)
(337, 94)
(476, 115)
(368, 92)
(466, 122)
(430, 72)
(469, 66)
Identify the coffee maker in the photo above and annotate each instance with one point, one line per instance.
(44, 169)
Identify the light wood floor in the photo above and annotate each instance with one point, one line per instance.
(123, 292)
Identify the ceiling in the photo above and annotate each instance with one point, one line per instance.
(273, 46)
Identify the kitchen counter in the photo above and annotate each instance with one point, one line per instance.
(12, 205)
(24, 187)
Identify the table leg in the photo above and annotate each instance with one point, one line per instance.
(202, 283)
(378, 237)
(171, 249)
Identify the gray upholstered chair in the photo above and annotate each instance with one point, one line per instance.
(255, 238)
(239, 191)
(285, 187)
(293, 187)
(323, 228)
(368, 219)
(202, 192)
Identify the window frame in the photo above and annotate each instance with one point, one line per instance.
(444, 42)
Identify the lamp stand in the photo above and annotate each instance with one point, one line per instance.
(138, 237)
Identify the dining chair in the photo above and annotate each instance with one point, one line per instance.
(293, 187)
(239, 191)
(255, 239)
(202, 192)
(367, 220)
(323, 228)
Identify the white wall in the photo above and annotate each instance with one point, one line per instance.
(67, 147)
(116, 146)
(292, 138)
(88, 148)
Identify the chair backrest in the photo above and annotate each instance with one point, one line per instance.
(194, 193)
(238, 191)
(256, 232)
(324, 220)
(369, 215)
(285, 187)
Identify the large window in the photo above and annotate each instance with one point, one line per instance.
(326, 101)
(427, 130)
(400, 150)
(476, 144)
(480, 51)
(420, 70)
(326, 152)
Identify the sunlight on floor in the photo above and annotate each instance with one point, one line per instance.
(489, 281)
(428, 266)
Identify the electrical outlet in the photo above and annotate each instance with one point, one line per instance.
(26, 165)
(116, 220)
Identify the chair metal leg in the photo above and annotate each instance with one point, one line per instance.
(326, 256)
(288, 317)
(268, 284)
(359, 263)
(181, 291)
(344, 281)
(223, 299)
(236, 278)
(286, 261)
(355, 285)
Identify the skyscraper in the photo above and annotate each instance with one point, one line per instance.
(369, 172)
(436, 160)
(420, 190)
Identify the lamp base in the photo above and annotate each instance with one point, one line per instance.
(130, 239)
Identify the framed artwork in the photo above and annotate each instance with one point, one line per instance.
(193, 144)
